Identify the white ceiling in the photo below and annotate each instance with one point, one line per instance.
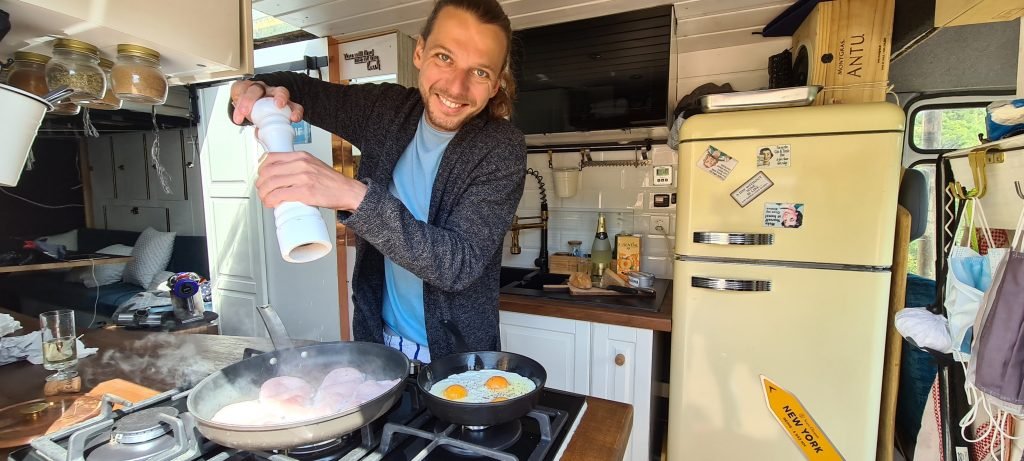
(702, 24)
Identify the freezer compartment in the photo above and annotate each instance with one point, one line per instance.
(822, 198)
(820, 334)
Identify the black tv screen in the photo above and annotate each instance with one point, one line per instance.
(609, 72)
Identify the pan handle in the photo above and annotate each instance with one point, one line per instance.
(278, 335)
(457, 338)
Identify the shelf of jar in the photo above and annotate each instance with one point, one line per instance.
(193, 47)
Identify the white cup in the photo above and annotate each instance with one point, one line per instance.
(567, 180)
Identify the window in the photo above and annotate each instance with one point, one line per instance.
(921, 256)
(269, 31)
(947, 128)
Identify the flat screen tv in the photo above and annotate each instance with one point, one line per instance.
(609, 72)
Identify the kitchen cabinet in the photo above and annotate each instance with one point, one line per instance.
(561, 346)
(126, 193)
(198, 40)
(101, 167)
(136, 218)
(621, 361)
(172, 158)
(607, 361)
(130, 178)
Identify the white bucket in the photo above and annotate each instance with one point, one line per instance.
(21, 113)
(566, 181)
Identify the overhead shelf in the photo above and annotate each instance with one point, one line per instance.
(198, 40)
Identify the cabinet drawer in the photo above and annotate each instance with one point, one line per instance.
(137, 218)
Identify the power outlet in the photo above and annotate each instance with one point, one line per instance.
(660, 224)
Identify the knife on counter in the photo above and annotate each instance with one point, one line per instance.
(632, 290)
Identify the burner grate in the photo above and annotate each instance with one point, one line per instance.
(550, 422)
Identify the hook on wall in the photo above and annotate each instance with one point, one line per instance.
(1020, 193)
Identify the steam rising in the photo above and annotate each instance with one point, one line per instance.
(157, 359)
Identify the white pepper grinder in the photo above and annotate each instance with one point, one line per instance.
(301, 232)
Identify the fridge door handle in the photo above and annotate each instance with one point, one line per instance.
(733, 238)
(713, 283)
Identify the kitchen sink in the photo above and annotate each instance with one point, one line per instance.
(529, 282)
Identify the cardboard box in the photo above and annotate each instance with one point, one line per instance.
(627, 254)
(846, 45)
(960, 13)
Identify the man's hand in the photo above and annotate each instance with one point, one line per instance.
(301, 177)
(245, 93)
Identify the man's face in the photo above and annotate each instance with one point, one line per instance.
(459, 66)
(710, 161)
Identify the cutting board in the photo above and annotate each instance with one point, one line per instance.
(90, 404)
(594, 291)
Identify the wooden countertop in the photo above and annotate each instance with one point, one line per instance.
(162, 361)
(658, 321)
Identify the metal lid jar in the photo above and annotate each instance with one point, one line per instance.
(76, 64)
(137, 75)
(109, 101)
(29, 72)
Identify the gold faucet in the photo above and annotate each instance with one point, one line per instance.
(517, 226)
(542, 224)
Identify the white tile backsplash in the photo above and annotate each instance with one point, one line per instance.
(623, 194)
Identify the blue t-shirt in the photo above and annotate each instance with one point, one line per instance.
(413, 184)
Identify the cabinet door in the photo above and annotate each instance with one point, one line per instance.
(622, 358)
(233, 216)
(561, 346)
(130, 176)
(101, 168)
(172, 160)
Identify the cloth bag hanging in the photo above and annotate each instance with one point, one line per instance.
(997, 370)
(969, 277)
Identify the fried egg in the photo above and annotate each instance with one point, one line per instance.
(483, 386)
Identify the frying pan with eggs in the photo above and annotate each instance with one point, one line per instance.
(479, 414)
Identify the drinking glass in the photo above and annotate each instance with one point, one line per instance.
(59, 343)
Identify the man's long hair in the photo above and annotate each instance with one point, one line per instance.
(487, 12)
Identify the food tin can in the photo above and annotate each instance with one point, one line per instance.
(640, 279)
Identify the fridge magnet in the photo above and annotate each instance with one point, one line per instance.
(790, 215)
(716, 162)
(773, 156)
(751, 189)
(798, 423)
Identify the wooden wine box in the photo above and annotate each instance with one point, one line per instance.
(845, 46)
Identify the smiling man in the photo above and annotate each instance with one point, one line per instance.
(441, 174)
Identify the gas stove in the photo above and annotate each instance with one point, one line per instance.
(161, 429)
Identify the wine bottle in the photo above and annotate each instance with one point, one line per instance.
(601, 250)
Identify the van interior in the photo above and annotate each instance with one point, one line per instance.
(814, 207)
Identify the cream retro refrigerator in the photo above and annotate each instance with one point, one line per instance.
(784, 242)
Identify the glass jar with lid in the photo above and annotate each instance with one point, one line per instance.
(137, 75)
(76, 64)
(110, 101)
(28, 72)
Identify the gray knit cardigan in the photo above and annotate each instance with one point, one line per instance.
(457, 252)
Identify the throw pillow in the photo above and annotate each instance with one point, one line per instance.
(151, 254)
(159, 281)
(69, 239)
(105, 274)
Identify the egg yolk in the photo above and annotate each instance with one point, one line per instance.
(455, 392)
(499, 399)
(496, 382)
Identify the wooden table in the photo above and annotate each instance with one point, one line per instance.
(66, 264)
(162, 361)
